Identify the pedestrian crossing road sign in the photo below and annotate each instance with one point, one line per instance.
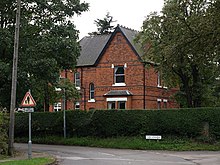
(28, 101)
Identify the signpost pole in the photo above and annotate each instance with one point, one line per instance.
(64, 114)
(29, 103)
(29, 142)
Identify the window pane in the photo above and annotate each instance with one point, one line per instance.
(120, 79)
(119, 70)
(111, 105)
(158, 79)
(57, 107)
(91, 95)
(77, 79)
(91, 86)
(92, 91)
(119, 75)
(121, 105)
(159, 105)
(77, 105)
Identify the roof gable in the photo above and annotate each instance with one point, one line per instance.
(93, 47)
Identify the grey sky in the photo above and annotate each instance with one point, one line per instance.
(129, 13)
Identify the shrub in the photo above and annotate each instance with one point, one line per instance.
(3, 131)
(103, 123)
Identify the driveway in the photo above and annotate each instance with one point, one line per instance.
(72, 155)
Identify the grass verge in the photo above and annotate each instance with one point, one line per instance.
(34, 161)
(172, 144)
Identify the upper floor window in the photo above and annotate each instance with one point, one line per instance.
(77, 79)
(119, 74)
(159, 79)
(91, 91)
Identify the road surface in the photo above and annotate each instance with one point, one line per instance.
(72, 155)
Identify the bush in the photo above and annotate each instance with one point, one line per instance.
(3, 132)
(103, 123)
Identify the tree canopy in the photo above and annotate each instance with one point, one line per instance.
(184, 40)
(48, 44)
(104, 26)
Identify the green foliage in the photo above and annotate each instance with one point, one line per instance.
(4, 122)
(48, 43)
(33, 161)
(71, 92)
(139, 142)
(102, 123)
(104, 25)
(184, 40)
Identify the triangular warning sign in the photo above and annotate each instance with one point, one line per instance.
(28, 101)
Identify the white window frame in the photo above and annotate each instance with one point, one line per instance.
(77, 104)
(57, 107)
(91, 99)
(165, 103)
(77, 80)
(117, 75)
(159, 80)
(117, 99)
(110, 104)
(159, 104)
(121, 102)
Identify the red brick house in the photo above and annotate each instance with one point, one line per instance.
(111, 74)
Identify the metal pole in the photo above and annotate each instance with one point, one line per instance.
(14, 82)
(64, 114)
(29, 142)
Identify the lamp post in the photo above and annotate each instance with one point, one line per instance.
(63, 107)
(64, 112)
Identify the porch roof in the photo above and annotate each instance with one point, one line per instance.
(118, 93)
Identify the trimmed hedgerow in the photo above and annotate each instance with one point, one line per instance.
(4, 123)
(110, 123)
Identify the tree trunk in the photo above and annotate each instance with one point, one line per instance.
(196, 86)
(187, 89)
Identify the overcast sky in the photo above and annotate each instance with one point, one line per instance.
(129, 13)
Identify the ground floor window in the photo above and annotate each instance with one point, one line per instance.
(111, 105)
(121, 105)
(116, 104)
(158, 103)
(77, 105)
(57, 107)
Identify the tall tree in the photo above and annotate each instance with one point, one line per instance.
(104, 26)
(48, 44)
(184, 40)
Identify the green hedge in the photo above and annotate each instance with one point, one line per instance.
(4, 119)
(109, 123)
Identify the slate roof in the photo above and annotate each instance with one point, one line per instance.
(118, 93)
(92, 47)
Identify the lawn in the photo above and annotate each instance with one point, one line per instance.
(34, 161)
(172, 144)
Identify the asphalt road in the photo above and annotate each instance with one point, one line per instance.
(72, 155)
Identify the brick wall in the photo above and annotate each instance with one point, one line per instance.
(140, 81)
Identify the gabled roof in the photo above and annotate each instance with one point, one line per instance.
(93, 47)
